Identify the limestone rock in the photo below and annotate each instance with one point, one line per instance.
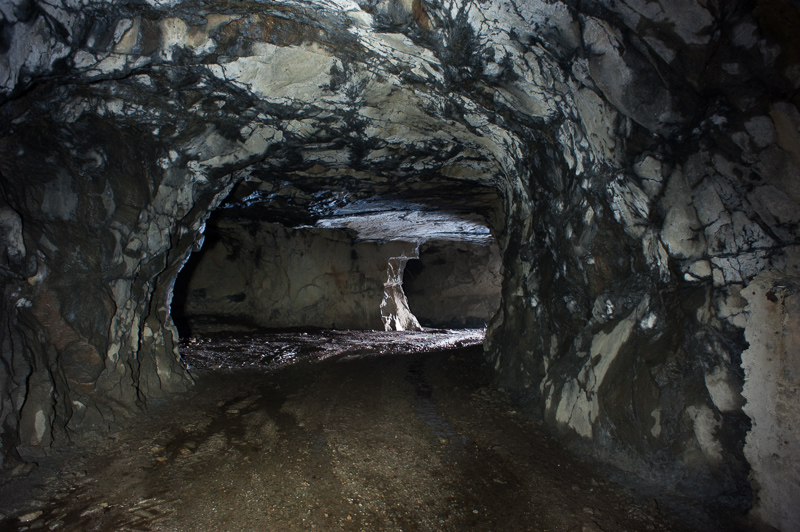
(271, 276)
(395, 313)
(772, 370)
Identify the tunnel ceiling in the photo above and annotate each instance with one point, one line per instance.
(415, 209)
(387, 221)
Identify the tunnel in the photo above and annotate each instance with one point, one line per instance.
(608, 188)
(342, 268)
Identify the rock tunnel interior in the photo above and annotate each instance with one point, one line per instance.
(637, 168)
(276, 256)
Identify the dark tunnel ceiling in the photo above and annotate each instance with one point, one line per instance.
(372, 208)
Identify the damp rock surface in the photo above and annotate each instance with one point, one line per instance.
(638, 164)
(299, 430)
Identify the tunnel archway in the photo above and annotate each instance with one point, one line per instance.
(343, 269)
(646, 165)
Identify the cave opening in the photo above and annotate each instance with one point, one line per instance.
(302, 253)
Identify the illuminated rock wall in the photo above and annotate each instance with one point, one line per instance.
(272, 276)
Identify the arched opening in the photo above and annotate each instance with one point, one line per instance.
(281, 256)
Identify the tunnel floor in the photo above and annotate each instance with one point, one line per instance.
(327, 430)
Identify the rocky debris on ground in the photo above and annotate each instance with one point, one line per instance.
(362, 437)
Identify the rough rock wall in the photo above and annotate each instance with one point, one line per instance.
(273, 276)
(675, 189)
(454, 284)
(96, 237)
(647, 154)
(771, 364)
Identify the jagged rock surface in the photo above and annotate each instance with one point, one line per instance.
(395, 313)
(646, 156)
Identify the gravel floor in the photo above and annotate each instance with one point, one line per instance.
(331, 430)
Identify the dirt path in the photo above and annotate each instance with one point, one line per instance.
(371, 435)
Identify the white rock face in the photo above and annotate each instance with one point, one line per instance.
(11, 240)
(579, 406)
(772, 391)
(680, 232)
(280, 74)
(706, 425)
(723, 390)
(277, 277)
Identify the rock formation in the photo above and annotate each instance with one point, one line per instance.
(346, 273)
(395, 313)
(272, 276)
(637, 162)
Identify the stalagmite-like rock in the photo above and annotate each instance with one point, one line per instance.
(395, 313)
(638, 164)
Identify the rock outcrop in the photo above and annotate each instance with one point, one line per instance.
(395, 313)
(645, 154)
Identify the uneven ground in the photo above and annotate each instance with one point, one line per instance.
(333, 431)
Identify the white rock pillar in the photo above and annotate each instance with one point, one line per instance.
(395, 312)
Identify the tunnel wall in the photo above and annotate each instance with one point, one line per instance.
(454, 284)
(636, 307)
(268, 275)
(647, 157)
(91, 252)
(272, 276)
